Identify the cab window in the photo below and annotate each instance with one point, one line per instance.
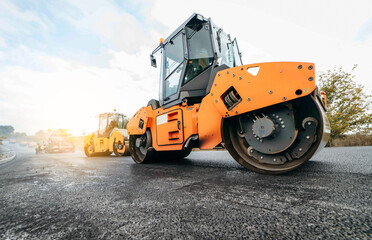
(121, 122)
(237, 56)
(200, 51)
(173, 65)
(102, 123)
(112, 122)
(224, 47)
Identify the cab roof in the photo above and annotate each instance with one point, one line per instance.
(192, 20)
(111, 113)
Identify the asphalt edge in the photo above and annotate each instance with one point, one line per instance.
(8, 159)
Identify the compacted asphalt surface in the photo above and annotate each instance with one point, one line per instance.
(205, 196)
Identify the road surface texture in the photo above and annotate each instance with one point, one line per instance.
(206, 196)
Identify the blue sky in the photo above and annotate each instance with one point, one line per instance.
(64, 62)
(51, 27)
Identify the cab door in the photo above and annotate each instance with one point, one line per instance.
(101, 144)
(174, 60)
(169, 128)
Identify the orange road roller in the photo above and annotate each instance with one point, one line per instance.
(269, 116)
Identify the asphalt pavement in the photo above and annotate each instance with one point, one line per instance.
(205, 196)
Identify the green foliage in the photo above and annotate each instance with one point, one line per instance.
(19, 135)
(357, 139)
(126, 120)
(6, 131)
(348, 106)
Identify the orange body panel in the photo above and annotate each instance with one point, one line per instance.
(170, 127)
(274, 83)
(209, 124)
(133, 125)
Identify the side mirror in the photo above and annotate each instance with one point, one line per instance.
(153, 61)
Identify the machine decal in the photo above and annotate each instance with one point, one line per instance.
(162, 119)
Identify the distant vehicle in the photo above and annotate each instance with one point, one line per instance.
(111, 137)
(59, 142)
(12, 141)
(39, 148)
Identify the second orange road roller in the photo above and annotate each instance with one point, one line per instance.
(270, 117)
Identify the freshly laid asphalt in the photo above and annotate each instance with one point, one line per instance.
(205, 196)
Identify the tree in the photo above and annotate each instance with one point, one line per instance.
(41, 135)
(348, 106)
(5, 131)
(19, 135)
(126, 120)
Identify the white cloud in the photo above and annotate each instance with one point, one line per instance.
(71, 94)
(11, 17)
(126, 30)
(122, 29)
(2, 43)
(20, 56)
(365, 31)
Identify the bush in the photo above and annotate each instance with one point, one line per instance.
(353, 140)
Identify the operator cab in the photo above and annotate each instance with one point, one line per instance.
(190, 58)
(109, 121)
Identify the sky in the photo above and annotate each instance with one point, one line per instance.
(63, 62)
